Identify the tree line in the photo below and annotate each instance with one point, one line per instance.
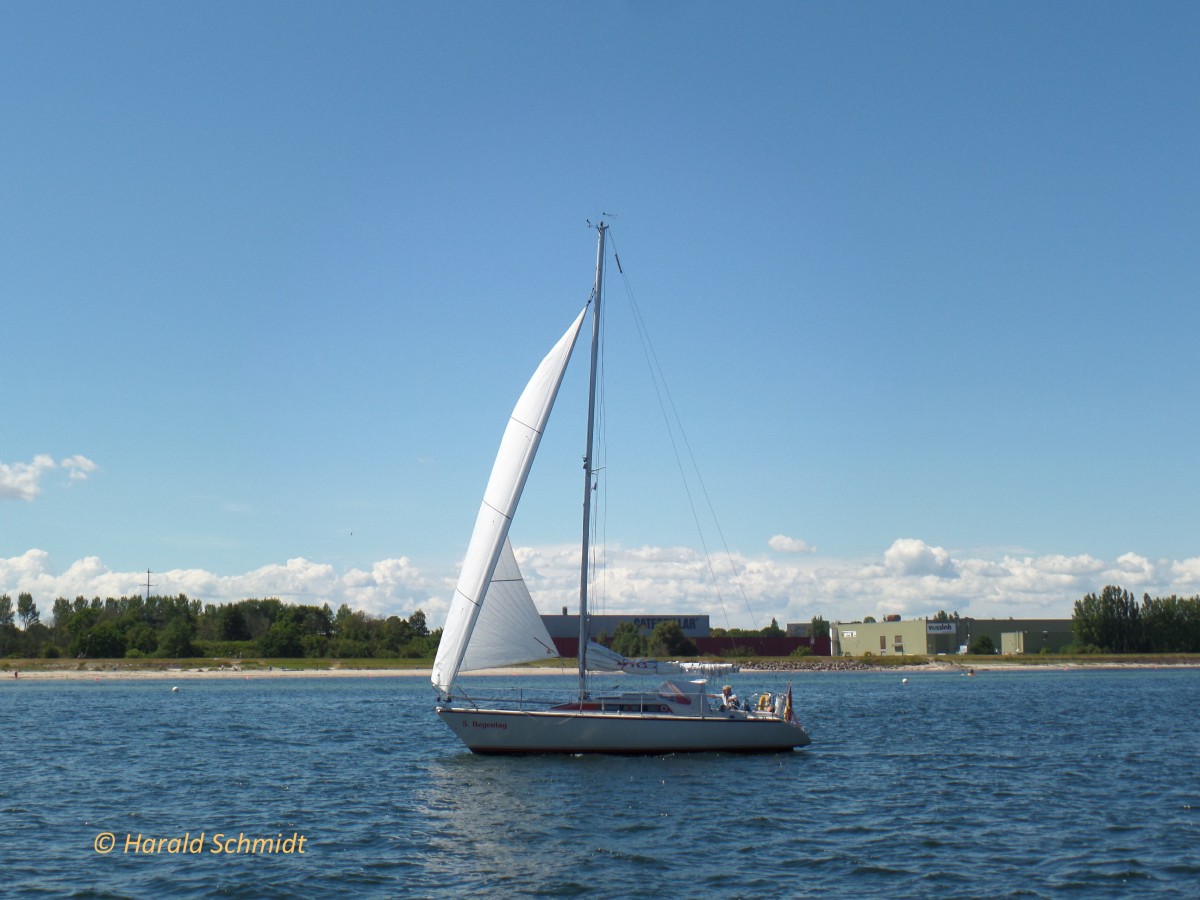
(667, 639)
(178, 627)
(1114, 622)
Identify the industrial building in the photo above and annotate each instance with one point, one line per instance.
(893, 636)
(931, 637)
(564, 631)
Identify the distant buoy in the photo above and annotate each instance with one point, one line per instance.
(904, 681)
(175, 690)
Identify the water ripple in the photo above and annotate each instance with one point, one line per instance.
(1043, 785)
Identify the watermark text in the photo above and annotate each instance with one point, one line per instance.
(219, 844)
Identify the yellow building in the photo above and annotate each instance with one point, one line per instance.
(930, 637)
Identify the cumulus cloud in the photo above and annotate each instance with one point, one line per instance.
(908, 556)
(78, 467)
(781, 543)
(392, 587)
(23, 481)
(910, 577)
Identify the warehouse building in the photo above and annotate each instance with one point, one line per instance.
(930, 637)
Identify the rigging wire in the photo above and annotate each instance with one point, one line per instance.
(674, 423)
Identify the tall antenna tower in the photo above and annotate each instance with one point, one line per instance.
(148, 585)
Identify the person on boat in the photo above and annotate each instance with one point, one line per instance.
(729, 699)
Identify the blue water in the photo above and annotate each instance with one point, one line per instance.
(1025, 784)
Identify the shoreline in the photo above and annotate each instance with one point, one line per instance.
(113, 672)
(117, 673)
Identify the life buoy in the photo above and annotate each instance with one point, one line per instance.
(764, 702)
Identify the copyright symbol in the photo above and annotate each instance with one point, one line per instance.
(104, 842)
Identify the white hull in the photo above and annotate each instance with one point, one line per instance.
(519, 731)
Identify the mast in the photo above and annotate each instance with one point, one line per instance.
(587, 463)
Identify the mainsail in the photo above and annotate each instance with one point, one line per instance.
(509, 472)
(607, 660)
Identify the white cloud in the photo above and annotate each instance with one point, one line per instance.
(781, 543)
(908, 556)
(23, 481)
(393, 587)
(1130, 568)
(1185, 574)
(78, 467)
(910, 577)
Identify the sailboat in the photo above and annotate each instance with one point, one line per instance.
(493, 622)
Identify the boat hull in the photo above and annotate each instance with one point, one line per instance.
(521, 731)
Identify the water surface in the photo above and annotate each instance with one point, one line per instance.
(1047, 783)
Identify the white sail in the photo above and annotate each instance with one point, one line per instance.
(509, 629)
(517, 450)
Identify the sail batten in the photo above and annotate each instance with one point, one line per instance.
(476, 586)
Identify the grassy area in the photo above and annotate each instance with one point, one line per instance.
(246, 665)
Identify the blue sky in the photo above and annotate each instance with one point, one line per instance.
(922, 278)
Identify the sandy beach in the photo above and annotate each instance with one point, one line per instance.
(101, 671)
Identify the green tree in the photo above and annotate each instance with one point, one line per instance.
(176, 640)
(627, 640)
(819, 628)
(396, 635)
(9, 636)
(1110, 621)
(103, 640)
(314, 646)
(27, 610)
(283, 641)
(982, 646)
(417, 623)
(231, 623)
(79, 623)
(142, 637)
(1170, 624)
(61, 612)
(668, 639)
